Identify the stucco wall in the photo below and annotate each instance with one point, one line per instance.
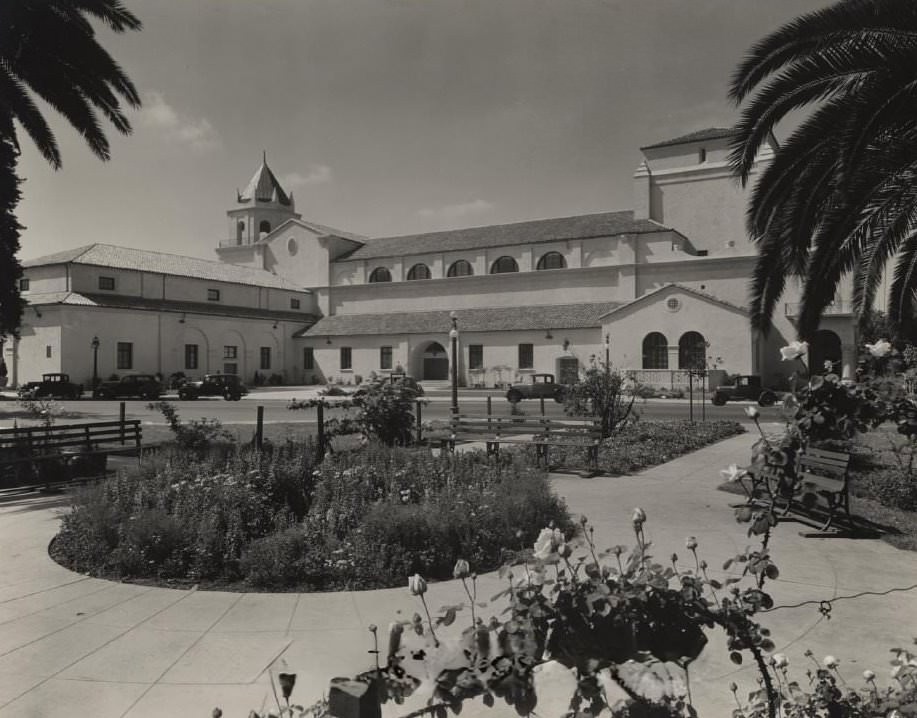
(51, 278)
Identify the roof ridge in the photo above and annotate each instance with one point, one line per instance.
(504, 224)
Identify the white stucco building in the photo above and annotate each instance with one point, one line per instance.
(665, 283)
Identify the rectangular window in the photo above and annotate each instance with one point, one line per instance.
(294, 304)
(24, 284)
(190, 356)
(526, 356)
(125, 355)
(385, 357)
(213, 295)
(346, 359)
(265, 358)
(48, 351)
(107, 284)
(475, 356)
(308, 358)
(230, 352)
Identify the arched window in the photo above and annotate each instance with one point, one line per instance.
(552, 260)
(419, 271)
(692, 351)
(461, 268)
(655, 351)
(264, 226)
(380, 274)
(504, 265)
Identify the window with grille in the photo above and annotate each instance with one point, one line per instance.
(107, 284)
(526, 356)
(191, 356)
(385, 357)
(346, 358)
(125, 359)
(475, 356)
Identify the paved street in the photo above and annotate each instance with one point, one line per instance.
(275, 403)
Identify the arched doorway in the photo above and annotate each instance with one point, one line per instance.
(824, 347)
(435, 365)
(692, 351)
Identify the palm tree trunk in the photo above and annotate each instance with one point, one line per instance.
(11, 304)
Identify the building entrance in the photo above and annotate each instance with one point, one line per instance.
(435, 363)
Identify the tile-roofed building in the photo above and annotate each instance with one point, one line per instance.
(711, 133)
(109, 255)
(604, 224)
(486, 319)
(660, 289)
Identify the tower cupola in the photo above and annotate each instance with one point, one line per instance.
(262, 206)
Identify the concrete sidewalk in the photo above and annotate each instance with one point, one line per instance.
(73, 645)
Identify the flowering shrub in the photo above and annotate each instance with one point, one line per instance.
(197, 435)
(184, 518)
(602, 392)
(384, 411)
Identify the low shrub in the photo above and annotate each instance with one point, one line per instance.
(184, 518)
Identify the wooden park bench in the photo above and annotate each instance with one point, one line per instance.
(38, 455)
(539, 432)
(818, 473)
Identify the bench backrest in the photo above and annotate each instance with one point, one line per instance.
(539, 426)
(825, 469)
(40, 438)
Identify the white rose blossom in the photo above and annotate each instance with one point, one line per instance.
(752, 412)
(794, 350)
(732, 473)
(880, 349)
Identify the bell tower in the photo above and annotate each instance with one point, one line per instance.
(261, 207)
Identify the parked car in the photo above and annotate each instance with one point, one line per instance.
(402, 379)
(540, 386)
(144, 386)
(746, 388)
(229, 386)
(51, 385)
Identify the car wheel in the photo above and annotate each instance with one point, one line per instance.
(513, 396)
(718, 401)
(767, 398)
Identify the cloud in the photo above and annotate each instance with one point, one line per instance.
(457, 211)
(196, 133)
(317, 174)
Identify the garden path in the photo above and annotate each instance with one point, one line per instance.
(73, 645)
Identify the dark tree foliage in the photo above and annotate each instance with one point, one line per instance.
(840, 196)
(49, 48)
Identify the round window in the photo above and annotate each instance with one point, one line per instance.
(292, 246)
(673, 304)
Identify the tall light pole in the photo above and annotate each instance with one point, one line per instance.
(607, 353)
(95, 361)
(453, 337)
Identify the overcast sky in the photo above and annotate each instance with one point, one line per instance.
(390, 116)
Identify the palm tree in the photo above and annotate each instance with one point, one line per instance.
(840, 195)
(49, 48)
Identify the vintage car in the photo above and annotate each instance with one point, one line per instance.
(746, 388)
(229, 386)
(539, 386)
(143, 386)
(51, 385)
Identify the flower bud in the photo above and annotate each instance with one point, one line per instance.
(780, 660)
(674, 558)
(372, 628)
(462, 569)
(417, 585)
(287, 681)
(869, 675)
(733, 687)
(394, 638)
(830, 662)
(691, 543)
(639, 516)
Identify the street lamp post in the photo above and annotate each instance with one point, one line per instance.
(607, 353)
(95, 361)
(453, 337)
